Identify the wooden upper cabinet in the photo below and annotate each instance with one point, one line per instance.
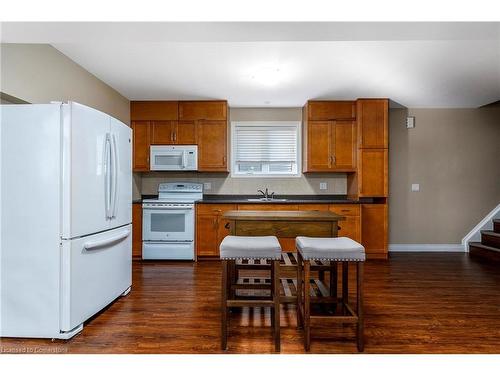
(372, 117)
(154, 110)
(212, 145)
(330, 146)
(373, 172)
(141, 141)
(344, 140)
(318, 146)
(185, 133)
(162, 132)
(320, 110)
(203, 110)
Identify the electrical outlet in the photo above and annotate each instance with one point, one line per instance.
(207, 186)
(323, 186)
(410, 122)
(415, 187)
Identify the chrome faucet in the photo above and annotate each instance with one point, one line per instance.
(266, 194)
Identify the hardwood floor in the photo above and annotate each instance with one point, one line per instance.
(414, 303)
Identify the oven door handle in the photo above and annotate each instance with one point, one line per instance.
(167, 208)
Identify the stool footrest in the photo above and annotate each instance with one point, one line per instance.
(255, 303)
(288, 259)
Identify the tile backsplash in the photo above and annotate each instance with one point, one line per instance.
(147, 183)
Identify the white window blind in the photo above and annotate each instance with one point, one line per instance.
(265, 148)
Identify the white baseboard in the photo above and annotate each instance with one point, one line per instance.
(426, 247)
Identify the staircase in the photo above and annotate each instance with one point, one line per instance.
(489, 247)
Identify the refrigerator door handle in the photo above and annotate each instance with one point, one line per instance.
(102, 243)
(114, 180)
(107, 175)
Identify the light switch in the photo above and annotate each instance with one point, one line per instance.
(323, 186)
(207, 185)
(415, 187)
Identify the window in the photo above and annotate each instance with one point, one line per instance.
(265, 149)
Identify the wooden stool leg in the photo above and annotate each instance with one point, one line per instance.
(276, 299)
(272, 297)
(224, 290)
(307, 305)
(361, 318)
(333, 282)
(345, 285)
(299, 290)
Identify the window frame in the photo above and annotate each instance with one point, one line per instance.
(233, 166)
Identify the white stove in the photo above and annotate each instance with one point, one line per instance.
(168, 222)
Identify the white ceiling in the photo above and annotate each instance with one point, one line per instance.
(284, 64)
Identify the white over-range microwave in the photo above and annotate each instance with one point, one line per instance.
(174, 158)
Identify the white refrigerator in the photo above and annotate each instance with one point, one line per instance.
(66, 212)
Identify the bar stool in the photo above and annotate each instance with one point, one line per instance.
(341, 249)
(235, 248)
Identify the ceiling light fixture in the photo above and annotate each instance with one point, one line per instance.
(267, 76)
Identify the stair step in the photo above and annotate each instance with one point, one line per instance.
(490, 238)
(496, 225)
(477, 249)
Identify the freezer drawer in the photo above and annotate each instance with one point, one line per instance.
(95, 270)
(168, 250)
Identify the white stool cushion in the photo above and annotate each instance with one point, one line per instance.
(340, 249)
(240, 247)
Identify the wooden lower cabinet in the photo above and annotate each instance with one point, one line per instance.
(210, 228)
(374, 230)
(364, 223)
(351, 226)
(137, 230)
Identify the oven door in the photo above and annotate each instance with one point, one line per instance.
(168, 224)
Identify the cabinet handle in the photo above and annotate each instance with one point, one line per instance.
(171, 136)
(334, 159)
(226, 226)
(224, 159)
(175, 137)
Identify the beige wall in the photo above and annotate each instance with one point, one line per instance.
(224, 184)
(38, 73)
(454, 154)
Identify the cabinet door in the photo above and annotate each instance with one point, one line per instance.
(319, 136)
(162, 132)
(203, 110)
(154, 110)
(222, 231)
(137, 230)
(331, 110)
(141, 136)
(373, 123)
(350, 227)
(344, 145)
(212, 145)
(373, 174)
(374, 229)
(185, 133)
(206, 235)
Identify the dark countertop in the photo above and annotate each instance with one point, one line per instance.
(290, 199)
